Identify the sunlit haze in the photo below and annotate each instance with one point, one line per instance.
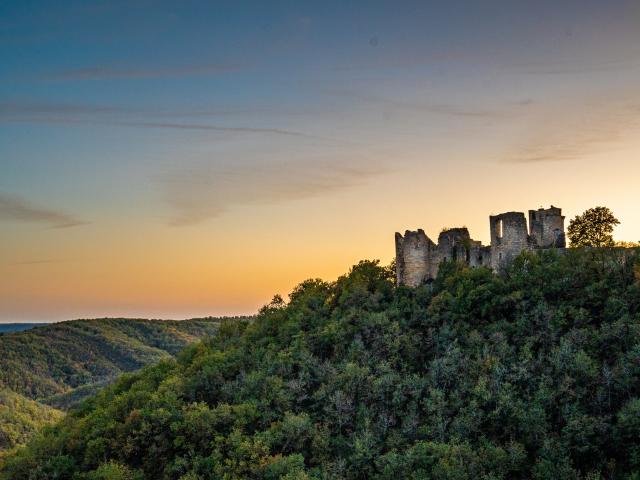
(182, 159)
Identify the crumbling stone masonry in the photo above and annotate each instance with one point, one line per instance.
(418, 257)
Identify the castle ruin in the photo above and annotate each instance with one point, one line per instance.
(418, 257)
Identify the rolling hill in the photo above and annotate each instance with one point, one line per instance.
(49, 368)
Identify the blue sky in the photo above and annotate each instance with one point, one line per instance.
(304, 130)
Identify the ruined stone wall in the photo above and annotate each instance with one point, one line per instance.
(553, 229)
(418, 258)
(455, 244)
(535, 225)
(413, 257)
(547, 227)
(509, 237)
(480, 256)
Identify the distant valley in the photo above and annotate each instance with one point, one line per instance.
(18, 327)
(48, 369)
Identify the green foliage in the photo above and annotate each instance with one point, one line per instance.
(55, 359)
(63, 363)
(21, 418)
(533, 374)
(112, 471)
(593, 228)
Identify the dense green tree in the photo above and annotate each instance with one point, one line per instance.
(593, 228)
(21, 418)
(113, 471)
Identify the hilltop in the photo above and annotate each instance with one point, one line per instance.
(531, 373)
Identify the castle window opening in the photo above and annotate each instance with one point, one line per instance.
(500, 228)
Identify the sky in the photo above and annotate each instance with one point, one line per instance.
(183, 159)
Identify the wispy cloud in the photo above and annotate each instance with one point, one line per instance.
(79, 114)
(631, 62)
(173, 126)
(17, 109)
(205, 192)
(17, 209)
(13, 110)
(107, 72)
(571, 132)
(429, 107)
(408, 60)
(193, 126)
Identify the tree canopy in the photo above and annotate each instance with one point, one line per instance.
(58, 365)
(594, 228)
(531, 374)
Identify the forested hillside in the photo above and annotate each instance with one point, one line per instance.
(59, 364)
(21, 417)
(531, 374)
(55, 359)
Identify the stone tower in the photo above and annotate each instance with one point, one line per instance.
(547, 227)
(413, 257)
(509, 237)
(453, 244)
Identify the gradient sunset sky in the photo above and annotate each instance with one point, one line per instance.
(180, 159)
